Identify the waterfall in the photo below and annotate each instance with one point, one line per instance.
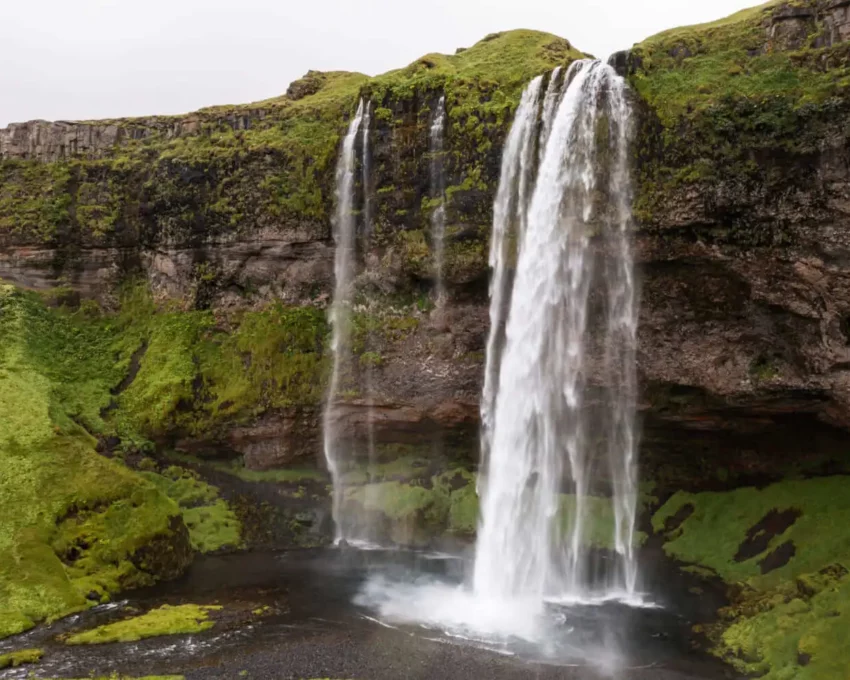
(344, 232)
(543, 466)
(367, 171)
(508, 211)
(438, 189)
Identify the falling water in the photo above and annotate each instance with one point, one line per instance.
(540, 429)
(367, 233)
(438, 216)
(367, 171)
(345, 237)
(509, 213)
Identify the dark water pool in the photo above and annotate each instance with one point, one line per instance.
(319, 625)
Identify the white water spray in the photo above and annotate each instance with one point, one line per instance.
(438, 181)
(344, 232)
(534, 542)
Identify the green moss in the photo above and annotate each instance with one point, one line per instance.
(293, 475)
(212, 524)
(167, 620)
(712, 535)
(791, 622)
(600, 527)
(73, 521)
(235, 168)
(195, 377)
(732, 103)
(686, 70)
(19, 658)
(799, 637)
(34, 197)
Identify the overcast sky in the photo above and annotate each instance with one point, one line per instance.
(83, 59)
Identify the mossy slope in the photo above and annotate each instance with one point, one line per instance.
(198, 373)
(75, 525)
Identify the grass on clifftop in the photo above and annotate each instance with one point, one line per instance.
(167, 620)
(243, 167)
(487, 77)
(685, 70)
(71, 519)
(788, 546)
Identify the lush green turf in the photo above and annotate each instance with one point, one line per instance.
(196, 376)
(58, 498)
(686, 70)
(719, 524)
(212, 524)
(794, 636)
(19, 658)
(167, 620)
(793, 622)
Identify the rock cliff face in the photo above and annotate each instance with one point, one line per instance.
(741, 170)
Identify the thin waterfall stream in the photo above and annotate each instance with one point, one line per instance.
(438, 189)
(345, 236)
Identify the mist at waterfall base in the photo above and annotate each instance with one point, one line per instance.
(560, 241)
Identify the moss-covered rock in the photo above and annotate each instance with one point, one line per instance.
(20, 657)
(167, 620)
(785, 552)
(187, 188)
(734, 111)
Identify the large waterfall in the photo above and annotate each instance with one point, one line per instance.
(559, 398)
(558, 475)
(345, 227)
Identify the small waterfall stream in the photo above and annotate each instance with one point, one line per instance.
(543, 467)
(344, 232)
(438, 189)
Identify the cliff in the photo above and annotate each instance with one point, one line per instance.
(206, 242)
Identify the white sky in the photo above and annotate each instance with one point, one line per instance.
(83, 59)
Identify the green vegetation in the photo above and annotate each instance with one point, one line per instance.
(601, 527)
(729, 93)
(194, 377)
(290, 475)
(790, 617)
(712, 535)
(19, 658)
(417, 504)
(687, 70)
(798, 633)
(167, 620)
(212, 524)
(77, 526)
(235, 168)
